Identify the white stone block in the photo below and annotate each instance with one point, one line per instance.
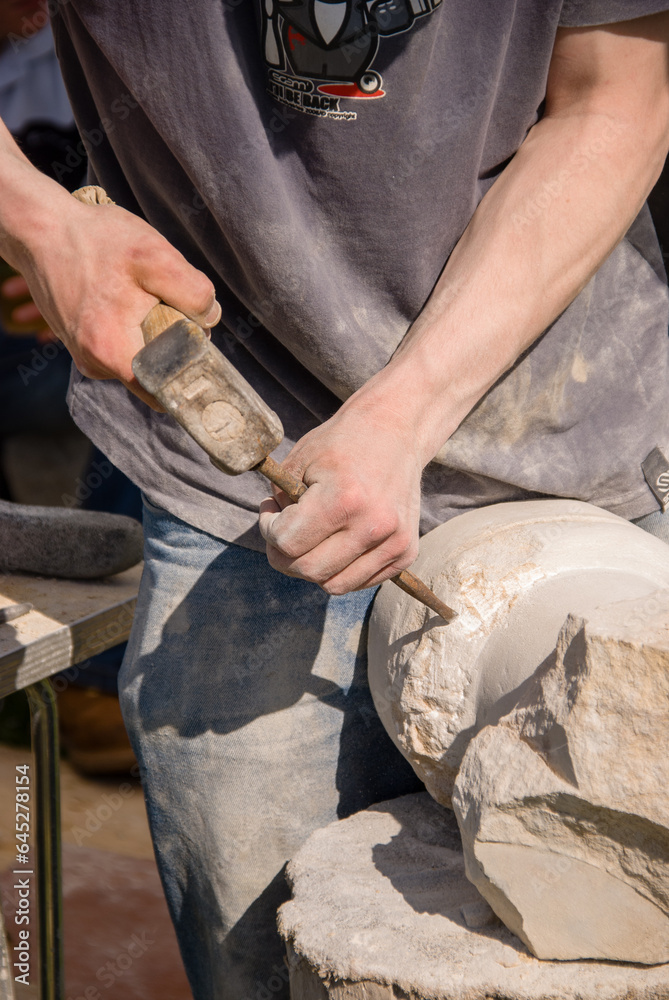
(564, 805)
(513, 572)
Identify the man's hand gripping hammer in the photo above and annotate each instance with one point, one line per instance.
(199, 387)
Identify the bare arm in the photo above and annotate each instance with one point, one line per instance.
(93, 272)
(541, 232)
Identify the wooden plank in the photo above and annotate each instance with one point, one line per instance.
(71, 620)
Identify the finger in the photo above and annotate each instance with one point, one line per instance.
(293, 547)
(268, 508)
(320, 513)
(26, 313)
(46, 336)
(281, 498)
(90, 367)
(365, 572)
(343, 562)
(166, 274)
(287, 531)
(14, 287)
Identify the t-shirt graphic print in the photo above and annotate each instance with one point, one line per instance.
(321, 52)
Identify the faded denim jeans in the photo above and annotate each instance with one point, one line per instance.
(656, 523)
(245, 695)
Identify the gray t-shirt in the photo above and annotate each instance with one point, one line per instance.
(319, 161)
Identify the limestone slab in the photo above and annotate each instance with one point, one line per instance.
(563, 804)
(382, 910)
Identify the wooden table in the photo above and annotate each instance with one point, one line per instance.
(71, 621)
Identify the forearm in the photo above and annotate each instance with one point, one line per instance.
(538, 236)
(30, 204)
(94, 272)
(541, 232)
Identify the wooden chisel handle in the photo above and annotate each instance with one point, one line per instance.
(406, 581)
(161, 316)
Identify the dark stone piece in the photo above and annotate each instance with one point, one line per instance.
(59, 541)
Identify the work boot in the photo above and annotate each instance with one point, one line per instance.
(92, 731)
(59, 541)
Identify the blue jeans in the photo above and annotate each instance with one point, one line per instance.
(245, 695)
(656, 524)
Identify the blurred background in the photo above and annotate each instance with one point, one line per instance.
(119, 941)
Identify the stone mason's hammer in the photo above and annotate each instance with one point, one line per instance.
(197, 384)
(199, 387)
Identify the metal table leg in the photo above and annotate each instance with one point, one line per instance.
(46, 751)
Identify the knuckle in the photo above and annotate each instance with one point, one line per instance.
(137, 254)
(404, 558)
(405, 544)
(278, 539)
(412, 550)
(385, 526)
(282, 559)
(86, 368)
(349, 505)
(402, 562)
(150, 255)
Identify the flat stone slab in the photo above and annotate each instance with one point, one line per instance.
(382, 910)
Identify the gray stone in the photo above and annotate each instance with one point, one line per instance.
(63, 542)
(377, 914)
(563, 803)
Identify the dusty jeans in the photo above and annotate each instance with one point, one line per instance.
(245, 694)
(656, 523)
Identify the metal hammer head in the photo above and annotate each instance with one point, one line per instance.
(209, 398)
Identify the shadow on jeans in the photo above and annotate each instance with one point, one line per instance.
(255, 660)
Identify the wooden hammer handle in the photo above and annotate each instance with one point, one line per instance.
(161, 316)
(406, 581)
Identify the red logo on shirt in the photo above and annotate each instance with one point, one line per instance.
(321, 52)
